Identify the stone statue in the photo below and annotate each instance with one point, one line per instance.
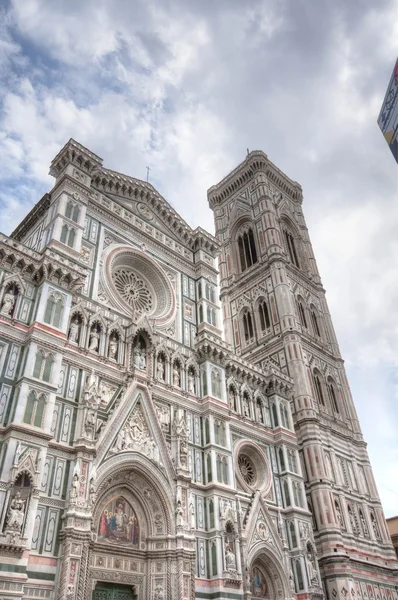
(179, 514)
(16, 513)
(246, 411)
(8, 304)
(176, 375)
(160, 369)
(92, 492)
(312, 573)
(92, 401)
(74, 331)
(192, 515)
(191, 382)
(113, 347)
(94, 340)
(339, 516)
(230, 560)
(232, 399)
(17, 454)
(74, 488)
(259, 414)
(137, 357)
(291, 582)
(142, 359)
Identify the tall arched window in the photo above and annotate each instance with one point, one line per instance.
(318, 389)
(291, 249)
(248, 326)
(43, 366)
(225, 470)
(332, 395)
(219, 468)
(286, 493)
(54, 310)
(293, 536)
(35, 409)
(211, 514)
(314, 321)
(71, 238)
(247, 250)
(64, 234)
(301, 313)
(209, 470)
(200, 314)
(281, 459)
(265, 322)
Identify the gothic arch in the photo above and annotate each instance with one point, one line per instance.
(265, 558)
(144, 482)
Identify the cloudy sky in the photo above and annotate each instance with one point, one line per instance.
(186, 87)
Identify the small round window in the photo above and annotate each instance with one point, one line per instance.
(252, 467)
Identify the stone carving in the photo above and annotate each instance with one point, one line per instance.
(176, 375)
(181, 432)
(74, 330)
(91, 403)
(230, 560)
(311, 566)
(191, 382)
(246, 409)
(133, 289)
(94, 340)
(135, 436)
(158, 593)
(259, 412)
(113, 347)
(8, 304)
(17, 454)
(160, 368)
(139, 357)
(74, 488)
(163, 414)
(92, 492)
(105, 392)
(339, 515)
(192, 516)
(232, 399)
(16, 512)
(179, 514)
(262, 530)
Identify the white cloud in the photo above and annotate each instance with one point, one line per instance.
(186, 88)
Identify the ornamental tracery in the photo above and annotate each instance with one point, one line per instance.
(133, 290)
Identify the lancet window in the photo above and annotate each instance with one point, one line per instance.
(247, 250)
(263, 311)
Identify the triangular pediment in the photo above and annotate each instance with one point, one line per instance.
(149, 215)
(134, 429)
(260, 529)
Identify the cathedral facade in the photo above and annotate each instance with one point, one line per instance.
(171, 427)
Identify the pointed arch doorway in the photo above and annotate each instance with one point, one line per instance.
(113, 591)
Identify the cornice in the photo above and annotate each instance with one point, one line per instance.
(39, 209)
(255, 161)
(107, 181)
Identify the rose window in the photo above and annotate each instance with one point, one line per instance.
(246, 468)
(133, 290)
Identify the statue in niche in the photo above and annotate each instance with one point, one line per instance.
(339, 515)
(16, 513)
(191, 382)
(310, 560)
(74, 330)
(91, 400)
(8, 303)
(179, 514)
(232, 399)
(74, 488)
(176, 375)
(259, 414)
(94, 339)
(142, 359)
(192, 515)
(246, 410)
(181, 432)
(230, 560)
(160, 368)
(113, 347)
(92, 492)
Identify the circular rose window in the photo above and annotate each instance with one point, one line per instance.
(137, 284)
(246, 468)
(252, 467)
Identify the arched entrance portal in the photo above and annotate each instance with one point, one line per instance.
(260, 583)
(112, 591)
(268, 577)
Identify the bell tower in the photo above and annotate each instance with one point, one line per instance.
(275, 314)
